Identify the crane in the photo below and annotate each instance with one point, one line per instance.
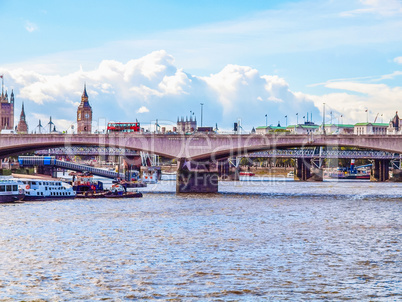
(376, 117)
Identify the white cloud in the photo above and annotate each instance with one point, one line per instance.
(398, 60)
(30, 27)
(163, 91)
(380, 7)
(377, 98)
(143, 109)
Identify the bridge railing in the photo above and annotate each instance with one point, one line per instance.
(51, 161)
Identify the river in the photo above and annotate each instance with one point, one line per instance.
(255, 240)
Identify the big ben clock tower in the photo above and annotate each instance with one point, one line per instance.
(84, 114)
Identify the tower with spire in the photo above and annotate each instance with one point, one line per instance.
(6, 108)
(84, 114)
(22, 124)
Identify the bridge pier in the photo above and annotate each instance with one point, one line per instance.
(47, 170)
(193, 177)
(225, 172)
(380, 170)
(306, 171)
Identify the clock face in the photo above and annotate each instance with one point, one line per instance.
(86, 115)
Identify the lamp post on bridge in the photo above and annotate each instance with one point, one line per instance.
(202, 104)
(297, 119)
(286, 118)
(266, 120)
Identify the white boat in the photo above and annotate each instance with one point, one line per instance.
(10, 191)
(150, 175)
(42, 189)
(291, 174)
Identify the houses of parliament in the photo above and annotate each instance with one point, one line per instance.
(84, 113)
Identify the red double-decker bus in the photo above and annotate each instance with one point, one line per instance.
(123, 127)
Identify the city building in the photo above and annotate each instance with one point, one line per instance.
(186, 126)
(22, 124)
(395, 125)
(303, 129)
(338, 129)
(7, 109)
(370, 128)
(270, 129)
(84, 114)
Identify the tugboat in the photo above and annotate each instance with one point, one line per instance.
(86, 187)
(85, 184)
(361, 172)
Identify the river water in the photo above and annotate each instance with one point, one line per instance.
(255, 240)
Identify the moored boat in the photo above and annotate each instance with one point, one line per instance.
(10, 191)
(43, 189)
(117, 191)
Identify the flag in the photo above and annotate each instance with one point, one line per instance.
(1, 76)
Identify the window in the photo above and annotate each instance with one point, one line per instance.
(8, 188)
(2, 188)
(15, 188)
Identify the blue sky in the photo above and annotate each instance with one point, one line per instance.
(150, 60)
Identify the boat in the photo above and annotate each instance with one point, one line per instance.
(361, 172)
(150, 175)
(246, 174)
(116, 191)
(84, 182)
(86, 187)
(42, 189)
(10, 191)
(290, 174)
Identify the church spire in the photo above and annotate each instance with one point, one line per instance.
(22, 115)
(84, 94)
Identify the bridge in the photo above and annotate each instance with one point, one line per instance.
(195, 147)
(88, 151)
(287, 153)
(321, 154)
(200, 154)
(48, 161)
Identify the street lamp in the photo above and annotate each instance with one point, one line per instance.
(323, 119)
(367, 114)
(286, 118)
(202, 104)
(297, 118)
(266, 120)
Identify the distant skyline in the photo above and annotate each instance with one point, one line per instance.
(151, 60)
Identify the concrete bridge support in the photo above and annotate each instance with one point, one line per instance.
(380, 170)
(51, 171)
(193, 177)
(305, 170)
(302, 169)
(226, 171)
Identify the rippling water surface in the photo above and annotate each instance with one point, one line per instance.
(257, 240)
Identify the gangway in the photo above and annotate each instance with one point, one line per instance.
(51, 161)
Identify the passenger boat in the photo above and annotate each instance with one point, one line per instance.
(42, 189)
(10, 191)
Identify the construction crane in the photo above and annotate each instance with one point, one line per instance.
(376, 117)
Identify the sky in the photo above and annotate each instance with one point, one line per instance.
(257, 62)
